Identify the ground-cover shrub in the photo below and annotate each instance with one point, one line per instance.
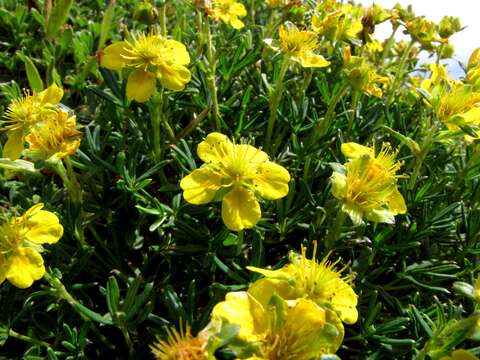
(235, 180)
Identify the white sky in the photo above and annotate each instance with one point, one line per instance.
(468, 11)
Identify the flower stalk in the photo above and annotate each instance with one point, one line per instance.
(275, 98)
(212, 68)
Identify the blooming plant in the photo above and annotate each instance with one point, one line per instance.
(230, 179)
(235, 174)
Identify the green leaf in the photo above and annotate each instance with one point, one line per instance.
(58, 17)
(33, 76)
(106, 24)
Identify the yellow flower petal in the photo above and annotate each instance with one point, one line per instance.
(309, 59)
(241, 309)
(3, 268)
(200, 186)
(24, 266)
(240, 209)
(52, 95)
(271, 181)
(215, 148)
(339, 183)
(344, 302)
(140, 85)
(42, 227)
(236, 23)
(174, 76)
(263, 289)
(250, 154)
(353, 150)
(396, 203)
(14, 146)
(179, 52)
(238, 9)
(112, 56)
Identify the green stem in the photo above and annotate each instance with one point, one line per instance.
(212, 67)
(18, 336)
(323, 126)
(355, 100)
(240, 241)
(162, 19)
(400, 72)
(424, 150)
(335, 230)
(390, 42)
(275, 98)
(158, 120)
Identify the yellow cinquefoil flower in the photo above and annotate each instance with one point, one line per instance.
(181, 345)
(473, 68)
(296, 329)
(362, 75)
(367, 184)
(274, 4)
(298, 45)
(150, 57)
(305, 278)
(21, 239)
(54, 138)
(458, 106)
(337, 22)
(235, 173)
(25, 112)
(229, 12)
(438, 76)
(460, 354)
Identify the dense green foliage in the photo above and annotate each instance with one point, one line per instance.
(151, 259)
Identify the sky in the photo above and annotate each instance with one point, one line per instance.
(468, 11)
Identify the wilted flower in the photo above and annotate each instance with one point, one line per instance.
(54, 138)
(367, 184)
(150, 57)
(298, 45)
(229, 12)
(362, 75)
(295, 329)
(25, 112)
(20, 242)
(305, 278)
(181, 345)
(234, 173)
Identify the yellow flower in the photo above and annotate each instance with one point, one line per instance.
(460, 354)
(229, 12)
(25, 112)
(458, 106)
(362, 75)
(54, 138)
(236, 173)
(367, 184)
(150, 57)
(438, 75)
(296, 329)
(305, 278)
(473, 68)
(273, 4)
(20, 242)
(181, 345)
(298, 45)
(337, 22)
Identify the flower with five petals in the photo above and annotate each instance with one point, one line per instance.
(151, 58)
(21, 239)
(236, 174)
